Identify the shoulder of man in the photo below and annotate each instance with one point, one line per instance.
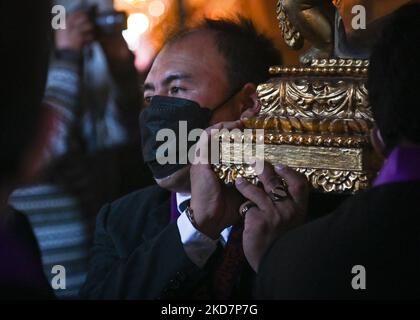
(136, 205)
(306, 260)
(150, 196)
(129, 221)
(349, 217)
(295, 266)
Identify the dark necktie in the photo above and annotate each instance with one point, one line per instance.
(229, 267)
(183, 206)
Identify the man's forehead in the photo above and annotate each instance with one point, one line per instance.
(194, 54)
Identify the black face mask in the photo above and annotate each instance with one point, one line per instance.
(166, 113)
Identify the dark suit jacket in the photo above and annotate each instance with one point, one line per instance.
(138, 253)
(378, 229)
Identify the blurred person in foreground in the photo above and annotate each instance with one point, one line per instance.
(182, 238)
(92, 100)
(369, 247)
(24, 69)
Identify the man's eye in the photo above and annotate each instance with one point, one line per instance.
(147, 100)
(176, 90)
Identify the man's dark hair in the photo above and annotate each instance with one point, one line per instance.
(394, 78)
(24, 48)
(248, 53)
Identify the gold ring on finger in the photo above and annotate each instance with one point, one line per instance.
(280, 192)
(245, 208)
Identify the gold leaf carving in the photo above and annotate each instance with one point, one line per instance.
(335, 180)
(324, 180)
(315, 98)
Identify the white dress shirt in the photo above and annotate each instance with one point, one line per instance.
(197, 245)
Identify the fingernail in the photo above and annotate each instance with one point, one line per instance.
(239, 181)
(279, 167)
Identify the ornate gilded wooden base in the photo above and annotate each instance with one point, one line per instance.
(317, 120)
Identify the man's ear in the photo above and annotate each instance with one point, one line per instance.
(250, 106)
(377, 141)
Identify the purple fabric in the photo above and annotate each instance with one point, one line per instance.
(402, 165)
(18, 265)
(174, 208)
